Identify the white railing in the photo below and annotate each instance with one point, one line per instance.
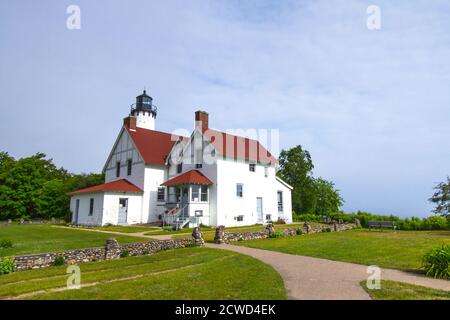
(176, 215)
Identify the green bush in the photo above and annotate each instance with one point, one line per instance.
(124, 254)
(327, 229)
(299, 231)
(6, 243)
(276, 234)
(280, 221)
(59, 261)
(7, 266)
(436, 262)
(414, 223)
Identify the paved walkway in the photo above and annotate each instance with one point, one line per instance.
(129, 234)
(322, 279)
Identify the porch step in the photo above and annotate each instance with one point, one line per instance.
(179, 224)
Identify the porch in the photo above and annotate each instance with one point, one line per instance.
(187, 200)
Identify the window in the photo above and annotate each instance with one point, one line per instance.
(77, 207)
(195, 193)
(268, 217)
(118, 169)
(266, 172)
(280, 201)
(172, 195)
(199, 213)
(251, 167)
(179, 167)
(239, 218)
(161, 194)
(204, 193)
(129, 166)
(91, 206)
(239, 190)
(198, 158)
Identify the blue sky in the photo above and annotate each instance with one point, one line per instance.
(372, 107)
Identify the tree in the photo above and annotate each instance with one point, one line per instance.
(328, 199)
(36, 188)
(310, 195)
(295, 167)
(442, 198)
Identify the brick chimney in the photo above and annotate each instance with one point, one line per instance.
(201, 120)
(130, 122)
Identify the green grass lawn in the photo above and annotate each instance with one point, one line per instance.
(399, 250)
(189, 273)
(128, 229)
(28, 239)
(391, 290)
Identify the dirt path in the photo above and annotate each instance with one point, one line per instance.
(322, 279)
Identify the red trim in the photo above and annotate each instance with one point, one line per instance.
(189, 177)
(118, 186)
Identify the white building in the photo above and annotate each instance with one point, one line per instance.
(211, 178)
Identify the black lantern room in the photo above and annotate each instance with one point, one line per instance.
(144, 104)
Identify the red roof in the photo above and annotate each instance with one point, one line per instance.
(154, 146)
(118, 185)
(237, 147)
(189, 177)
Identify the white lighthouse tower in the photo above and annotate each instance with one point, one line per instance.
(144, 111)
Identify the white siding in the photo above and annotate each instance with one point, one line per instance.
(123, 151)
(154, 176)
(287, 202)
(83, 211)
(255, 185)
(111, 208)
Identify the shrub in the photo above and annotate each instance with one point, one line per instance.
(435, 223)
(6, 243)
(59, 261)
(327, 229)
(7, 266)
(276, 234)
(280, 221)
(145, 252)
(436, 262)
(124, 254)
(299, 231)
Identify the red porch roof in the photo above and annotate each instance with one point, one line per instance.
(189, 177)
(118, 186)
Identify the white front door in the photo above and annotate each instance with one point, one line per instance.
(259, 209)
(123, 211)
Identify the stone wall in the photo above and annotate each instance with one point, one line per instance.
(111, 250)
(221, 236)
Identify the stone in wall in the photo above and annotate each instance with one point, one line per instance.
(219, 236)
